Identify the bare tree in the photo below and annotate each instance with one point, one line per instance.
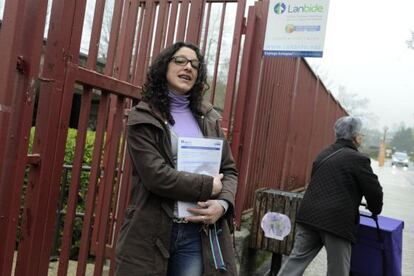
(323, 75)
(357, 106)
(352, 102)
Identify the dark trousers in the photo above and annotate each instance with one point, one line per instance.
(308, 243)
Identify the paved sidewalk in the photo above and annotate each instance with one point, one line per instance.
(398, 185)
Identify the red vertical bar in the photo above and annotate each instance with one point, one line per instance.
(51, 130)
(119, 176)
(242, 91)
(113, 37)
(74, 184)
(127, 38)
(164, 37)
(109, 169)
(21, 39)
(239, 121)
(332, 116)
(149, 38)
(160, 32)
(182, 20)
(195, 21)
(10, 44)
(145, 45)
(93, 179)
(121, 188)
(203, 49)
(290, 140)
(137, 43)
(95, 34)
(122, 203)
(312, 133)
(259, 15)
(234, 61)
(323, 118)
(172, 22)
(110, 240)
(39, 195)
(65, 108)
(217, 59)
(327, 128)
(338, 110)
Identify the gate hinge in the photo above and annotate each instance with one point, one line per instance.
(33, 159)
(244, 26)
(43, 79)
(21, 65)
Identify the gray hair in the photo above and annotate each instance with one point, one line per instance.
(347, 127)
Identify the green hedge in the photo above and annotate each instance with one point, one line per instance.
(82, 192)
(70, 146)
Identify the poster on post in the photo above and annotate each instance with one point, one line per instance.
(296, 28)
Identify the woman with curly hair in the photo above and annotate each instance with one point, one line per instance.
(153, 239)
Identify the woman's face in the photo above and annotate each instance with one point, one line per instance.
(181, 74)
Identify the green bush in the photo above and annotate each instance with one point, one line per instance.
(65, 184)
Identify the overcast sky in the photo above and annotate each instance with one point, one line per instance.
(366, 51)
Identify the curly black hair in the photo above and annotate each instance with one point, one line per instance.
(155, 89)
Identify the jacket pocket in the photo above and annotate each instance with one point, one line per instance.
(123, 232)
(161, 258)
(129, 213)
(164, 252)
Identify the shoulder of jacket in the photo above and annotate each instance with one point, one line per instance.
(362, 156)
(356, 155)
(208, 111)
(142, 114)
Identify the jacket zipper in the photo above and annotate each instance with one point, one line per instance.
(168, 137)
(203, 125)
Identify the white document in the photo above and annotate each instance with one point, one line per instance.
(197, 155)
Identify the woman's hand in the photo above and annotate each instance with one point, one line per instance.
(208, 212)
(217, 185)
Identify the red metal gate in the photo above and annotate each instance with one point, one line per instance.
(56, 72)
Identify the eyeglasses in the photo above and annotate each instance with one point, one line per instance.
(183, 61)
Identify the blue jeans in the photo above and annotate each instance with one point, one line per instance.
(186, 257)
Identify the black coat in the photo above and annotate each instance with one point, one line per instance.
(332, 199)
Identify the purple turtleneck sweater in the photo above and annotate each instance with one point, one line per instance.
(185, 126)
(185, 123)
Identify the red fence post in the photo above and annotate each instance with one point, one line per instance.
(239, 29)
(21, 41)
(247, 109)
(50, 137)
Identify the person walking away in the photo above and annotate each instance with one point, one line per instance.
(329, 212)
